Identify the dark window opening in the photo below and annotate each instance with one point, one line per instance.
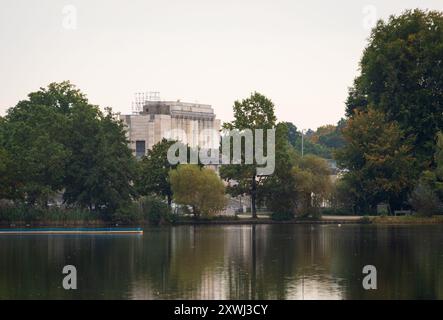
(140, 148)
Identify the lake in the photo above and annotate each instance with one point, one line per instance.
(229, 262)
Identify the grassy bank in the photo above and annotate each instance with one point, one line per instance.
(406, 220)
(21, 216)
(151, 211)
(146, 210)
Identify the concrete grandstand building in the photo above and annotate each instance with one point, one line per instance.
(151, 121)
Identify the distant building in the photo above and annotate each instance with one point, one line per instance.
(191, 123)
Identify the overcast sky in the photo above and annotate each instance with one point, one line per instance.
(302, 54)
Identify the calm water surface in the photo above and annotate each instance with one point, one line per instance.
(229, 262)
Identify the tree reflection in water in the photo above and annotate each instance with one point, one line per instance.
(229, 262)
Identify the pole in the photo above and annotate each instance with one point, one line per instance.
(302, 142)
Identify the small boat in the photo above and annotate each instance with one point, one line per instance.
(69, 231)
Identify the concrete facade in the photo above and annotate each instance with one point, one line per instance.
(191, 123)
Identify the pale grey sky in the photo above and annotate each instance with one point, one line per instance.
(301, 54)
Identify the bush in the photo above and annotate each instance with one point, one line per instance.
(17, 213)
(146, 209)
(155, 211)
(128, 212)
(24, 213)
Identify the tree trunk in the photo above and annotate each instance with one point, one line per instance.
(169, 200)
(254, 197)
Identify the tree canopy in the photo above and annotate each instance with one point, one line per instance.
(199, 188)
(378, 159)
(312, 182)
(57, 142)
(322, 142)
(402, 76)
(254, 112)
(153, 177)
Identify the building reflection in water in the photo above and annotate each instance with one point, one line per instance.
(243, 262)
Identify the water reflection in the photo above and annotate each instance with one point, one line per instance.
(229, 262)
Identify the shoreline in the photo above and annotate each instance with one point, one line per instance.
(325, 220)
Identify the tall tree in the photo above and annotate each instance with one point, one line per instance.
(101, 170)
(57, 141)
(33, 139)
(378, 159)
(402, 76)
(278, 189)
(255, 112)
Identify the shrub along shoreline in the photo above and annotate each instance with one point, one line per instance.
(152, 212)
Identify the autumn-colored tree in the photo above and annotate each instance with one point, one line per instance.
(322, 142)
(378, 159)
(322, 131)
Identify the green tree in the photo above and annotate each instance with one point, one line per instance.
(153, 172)
(401, 76)
(424, 199)
(5, 175)
(56, 141)
(378, 159)
(299, 185)
(102, 168)
(330, 136)
(199, 188)
(255, 112)
(294, 136)
(312, 184)
(438, 159)
(427, 196)
(341, 198)
(278, 189)
(6, 179)
(33, 139)
(318, 142)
